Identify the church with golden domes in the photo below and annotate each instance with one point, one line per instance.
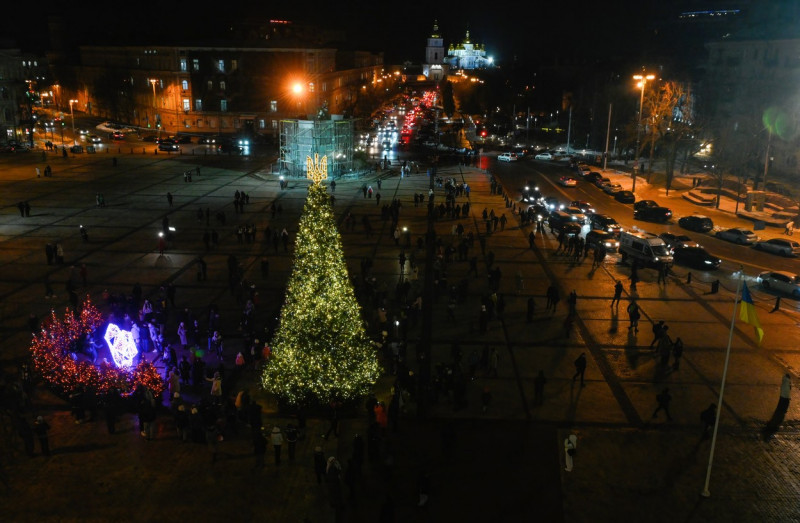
(464, 55)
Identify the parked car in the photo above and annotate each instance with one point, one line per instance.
(229, 147)
(611, 188)
(599, 181)
(567, 181)
(606, 223)
(584, 206)
(643, 204)
(696, 257)
(653, 214)
(182, 138)
(781, 281)
(677, 241)
(507, 157)
(597, 238)
(76, 149)
(576, 214)
(168, 145)
(697, 223)
(625, 197)
(738, 235)
(592, 177)
(544, 156)
(779, 246)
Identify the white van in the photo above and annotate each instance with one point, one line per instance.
(644, 247)
(507, 157)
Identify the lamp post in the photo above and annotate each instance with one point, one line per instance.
(642, 81)
(72, 117)
(155, 107)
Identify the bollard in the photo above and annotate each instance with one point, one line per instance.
(689, 278)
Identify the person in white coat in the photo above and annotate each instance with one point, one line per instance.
(182, 336)
(570, 444)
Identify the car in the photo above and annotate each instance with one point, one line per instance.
(597, 238)
(116, 135)
(538, 211)
(781, 281)
(552, 204)
(625, 197)
(779, 246)
(76, 149)
(531, 194)
(150, 138)
(507, 157)
(230, 147)
(606, 223)
(643, 204)
(592, 177)
(677, 241)
(182, 138)
(94, 138)
(584, 206)
(696, 257)
(544, 156)
(207, 140)
(567, 181)
(652, 214)
(577, 214)
(697, 223)
(168, 145)
(611, 188)
(83, 132)
(602, 180)
(738, 235)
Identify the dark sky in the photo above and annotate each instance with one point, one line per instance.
(522, 29)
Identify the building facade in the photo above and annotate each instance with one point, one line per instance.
(467, 55)
(21, 75)
(434, 67)
(220, 90)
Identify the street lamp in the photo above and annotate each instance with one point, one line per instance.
(642, 82)
(72, 116)
(155, 107)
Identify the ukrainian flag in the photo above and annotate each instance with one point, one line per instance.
(747, 313)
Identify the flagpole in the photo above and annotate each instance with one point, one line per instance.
(706, 493)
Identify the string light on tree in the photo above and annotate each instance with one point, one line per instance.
(320, 352)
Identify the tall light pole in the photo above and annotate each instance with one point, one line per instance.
(642, 82)
(155, 107)
(72, 117)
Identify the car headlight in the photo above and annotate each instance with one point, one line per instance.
(708, 262)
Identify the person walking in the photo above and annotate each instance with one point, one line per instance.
(664, 347)
(276, 438)
(663, 399)
(677, 352)
(786, 393)
(538, 388)
(633, 316)
(570, 446)
(572, 301)
(617, 294)
(169, 198)
(580, 368)
(658, 332)
(40, 428)
(708, 417)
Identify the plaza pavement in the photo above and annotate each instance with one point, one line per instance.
(507, 462)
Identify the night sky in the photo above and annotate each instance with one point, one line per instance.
(525, 31)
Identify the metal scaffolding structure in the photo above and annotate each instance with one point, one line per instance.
(302, 138)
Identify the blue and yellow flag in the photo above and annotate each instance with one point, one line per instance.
(747, 313)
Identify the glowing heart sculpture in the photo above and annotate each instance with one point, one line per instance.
(121, 345)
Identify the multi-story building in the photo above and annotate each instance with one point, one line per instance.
(211, 90)
(21, 76)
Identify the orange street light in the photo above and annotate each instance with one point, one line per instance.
(643, 79)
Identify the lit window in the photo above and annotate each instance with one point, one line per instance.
(223, 105)
(183, 65)
(185, 85)
(198, 104)
(221, 66)
(275, 124)
(187, 104)
(273, 106)
(195, 64)
(234, 65)
(310, 87)
(262, 124)
(222, 85)
(210, 85)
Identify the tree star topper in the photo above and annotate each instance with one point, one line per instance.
(317, 169)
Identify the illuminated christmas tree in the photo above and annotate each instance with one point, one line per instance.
(320, 352)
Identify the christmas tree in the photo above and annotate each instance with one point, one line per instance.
(320, 352)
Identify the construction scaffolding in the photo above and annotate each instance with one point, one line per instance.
(302, 138)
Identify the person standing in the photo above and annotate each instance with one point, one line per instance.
(786, 393)
(708, 417)
(570, 446)
(634, 315)
(580, 367)
(291, 440)
(617, 293)
(538, 388)
(259, 448)
(40, 427)
(319, 464)
(169, 198)
(276, 438)
(663, 399)
(27, 210)
(677, 352)
(572, 301)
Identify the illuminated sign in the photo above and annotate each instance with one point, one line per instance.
(121, 345)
